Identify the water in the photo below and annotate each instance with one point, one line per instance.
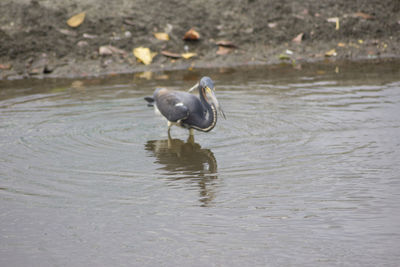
(304, 171)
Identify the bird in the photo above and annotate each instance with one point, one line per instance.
(186, 110)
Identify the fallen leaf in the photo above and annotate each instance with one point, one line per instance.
(191, 35)
(272, 25)
(360, 41)
(341, 44)
(331, 53)
(145, 75)
(283, 57)
(76, 20)
(161, 36)
(298, 38)
(162, 77)
(225, 43)
(144, 54)
(335, 20)
(5, 66)
(222, 50)
(188, 55)
(170, 54)
(362, 15)
(116, 50)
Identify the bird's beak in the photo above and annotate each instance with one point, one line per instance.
(194, 87)
(210, 93)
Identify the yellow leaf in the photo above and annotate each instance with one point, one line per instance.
(145, 75)
(76, 20)
(144, 54)
(331, 53)
(161, 36)
(341, 44)
(334, 20)
(188, 55)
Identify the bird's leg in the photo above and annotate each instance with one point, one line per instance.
(169, 127)
(191, 136)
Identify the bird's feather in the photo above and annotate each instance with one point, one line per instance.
(171, 105)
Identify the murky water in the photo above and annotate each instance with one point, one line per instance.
(304, 171)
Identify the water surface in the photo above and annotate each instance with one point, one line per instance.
(304, 171)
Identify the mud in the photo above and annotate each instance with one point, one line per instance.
(37, 42)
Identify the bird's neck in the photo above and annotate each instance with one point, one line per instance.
(211, 115)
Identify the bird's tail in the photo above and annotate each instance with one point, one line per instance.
(150, 101)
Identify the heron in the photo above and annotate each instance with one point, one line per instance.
(186, 110)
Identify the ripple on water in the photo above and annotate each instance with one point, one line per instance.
(307, 164)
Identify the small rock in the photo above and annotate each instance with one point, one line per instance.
(82, 44)
(128, 34)
(105, 50)
(68, 32)
(89, 36)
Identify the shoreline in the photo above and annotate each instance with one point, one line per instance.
(38, 43)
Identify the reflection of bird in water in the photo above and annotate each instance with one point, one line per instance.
(186, 110)
(187, 161)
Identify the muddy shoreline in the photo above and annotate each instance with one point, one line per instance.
(37, 42)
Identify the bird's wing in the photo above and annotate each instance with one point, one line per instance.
(170, 105)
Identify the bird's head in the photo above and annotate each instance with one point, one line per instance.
(206, 87)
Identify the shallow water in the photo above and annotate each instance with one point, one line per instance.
(304, 171)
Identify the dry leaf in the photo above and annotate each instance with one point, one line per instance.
(116, 50)
(188, 55)
(335, 20)
(76, 20)
(161, 36)
(224, 50)
(272, 25)
(109, 50)
(298, 38)
(191, 35)
(331, 53)
(144, 54)
(226, 44)
(6, 66)
(341, 44)
(170, 54)
(145, 75)
(363, 15)
(162, 77)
